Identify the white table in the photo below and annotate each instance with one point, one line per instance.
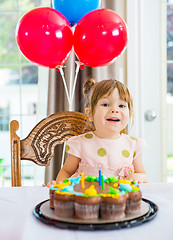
(17, 220)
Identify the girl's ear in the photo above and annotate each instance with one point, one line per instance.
(88, 113)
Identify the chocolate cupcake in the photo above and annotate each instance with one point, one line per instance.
(87, 206)
(134, 197)
(53, 188)
(63, 204)
(133, 202)
(113, 204)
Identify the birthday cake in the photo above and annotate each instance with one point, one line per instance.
(92, 198)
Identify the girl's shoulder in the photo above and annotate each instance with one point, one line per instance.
(87, 135)
(134, 139)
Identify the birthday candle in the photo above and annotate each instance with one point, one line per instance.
(102, 182)
(99, 177)
(82, 181)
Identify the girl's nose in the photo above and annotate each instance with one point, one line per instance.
(114, 110)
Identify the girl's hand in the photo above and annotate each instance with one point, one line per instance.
(137, 177)
(49, 184)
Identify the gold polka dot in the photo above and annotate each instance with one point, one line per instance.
(125, 153)
(67, 148)
(134, 154)
(88, 135)
(133, 138)
(101, 152)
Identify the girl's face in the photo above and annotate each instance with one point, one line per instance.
(111, 116)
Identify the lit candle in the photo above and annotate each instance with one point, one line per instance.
(82, 181)
(99, 177)
(102, 182)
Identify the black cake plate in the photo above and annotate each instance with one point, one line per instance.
(46, 215)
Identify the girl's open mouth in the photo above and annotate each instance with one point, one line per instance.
(113, 119)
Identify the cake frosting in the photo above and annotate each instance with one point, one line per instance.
(89, 199)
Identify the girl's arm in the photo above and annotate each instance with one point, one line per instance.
(69, 168)
(139, 175)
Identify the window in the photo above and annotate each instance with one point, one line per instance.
(4, 116)
(170, 89)
(170, 48)
(18, 88)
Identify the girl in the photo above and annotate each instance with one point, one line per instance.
(110, 109)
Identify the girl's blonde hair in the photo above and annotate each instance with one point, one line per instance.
(105, 87)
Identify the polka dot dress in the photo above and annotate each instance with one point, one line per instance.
(112, 156)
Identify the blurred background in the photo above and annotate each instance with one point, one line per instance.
(146, 67)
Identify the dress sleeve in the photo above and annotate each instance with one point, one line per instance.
(140, 145)
(73, 146)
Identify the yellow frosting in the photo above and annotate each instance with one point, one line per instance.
(135, 188)
(115, 185)
(91, 191)
(62, 185)
(124, 181)
(116, 196)
(63, 193)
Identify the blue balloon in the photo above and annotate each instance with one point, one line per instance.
(74, 10)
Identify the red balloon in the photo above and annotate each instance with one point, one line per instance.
(44, 37)
(100, 37)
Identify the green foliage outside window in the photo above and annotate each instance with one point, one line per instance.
(10, 13)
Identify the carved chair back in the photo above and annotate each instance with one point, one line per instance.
(39, 145)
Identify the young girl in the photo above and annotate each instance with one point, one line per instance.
(116, 154)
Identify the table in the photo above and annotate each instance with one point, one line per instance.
(17, 220)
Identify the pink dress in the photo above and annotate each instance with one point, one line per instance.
(113, 156)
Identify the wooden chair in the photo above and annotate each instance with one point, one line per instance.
(39, 145)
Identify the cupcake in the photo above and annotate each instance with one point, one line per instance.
(53, 188)
(64, 200)
(133, 204)
(87, 206)
(134, 197)
(113, 204)
(63, 204)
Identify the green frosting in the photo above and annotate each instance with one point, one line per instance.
(91, 178)
(135, 190)
(113, 190)
(86, 195)
(112, 179)
(66, 180)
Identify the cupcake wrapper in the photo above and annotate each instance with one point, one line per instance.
(87, 211)
(132, 206)
(64, 209)
(51, 202)
(112, 211)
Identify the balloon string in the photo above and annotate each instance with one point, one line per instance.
(72, 59)
(75, 80)
(71, 79)
(65, 85)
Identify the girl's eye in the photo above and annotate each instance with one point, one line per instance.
(105, 104)
(122, 106)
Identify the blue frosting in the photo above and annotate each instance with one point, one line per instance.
(135, 184)
(125, 187)
(53, 188)
(75, 180)
(68, 189)
(122, 192)
(104, 179)
(78, 193)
